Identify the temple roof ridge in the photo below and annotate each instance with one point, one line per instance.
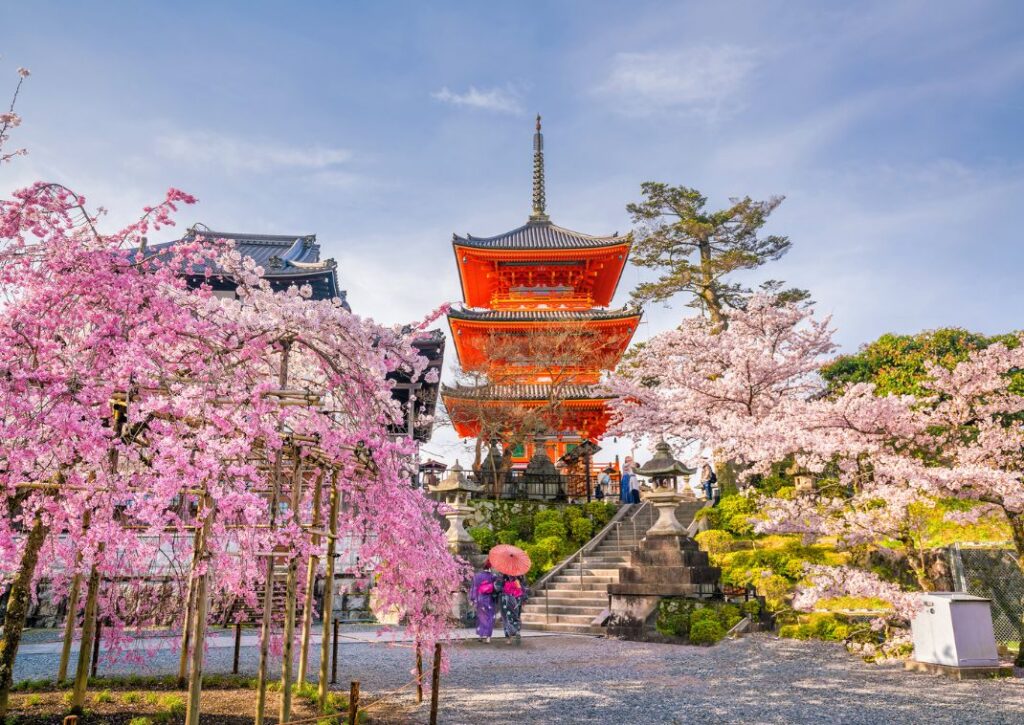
(527, 391)
(540, 234)
(463, 312)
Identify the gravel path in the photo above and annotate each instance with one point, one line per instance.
(757, 679)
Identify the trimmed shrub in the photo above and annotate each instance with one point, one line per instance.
(547, 529)
(706, 631)
(581, 530)
(752, 607)
(545, 515)
(600, 512)
(483, 537)
(507, 536)
(715, 541)
(729, 615)
(571, 513)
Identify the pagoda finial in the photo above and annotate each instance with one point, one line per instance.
(539, 200)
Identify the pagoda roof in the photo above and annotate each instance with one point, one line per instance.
(546, 315)
(539, 235)
(524, 392)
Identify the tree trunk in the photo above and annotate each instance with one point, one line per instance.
(17, 609)
(85, 646)
(198, 624)
(289, 602)
(311, 569)
(69, 628)
(1017, 527)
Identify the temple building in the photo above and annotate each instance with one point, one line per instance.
(294, 259)
(537, 329)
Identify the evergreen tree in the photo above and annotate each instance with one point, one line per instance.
(695, 249)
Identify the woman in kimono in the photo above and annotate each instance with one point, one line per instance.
(513, 594)
(483, 595)
(625, 483)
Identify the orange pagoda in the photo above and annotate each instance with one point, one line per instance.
(538, 280)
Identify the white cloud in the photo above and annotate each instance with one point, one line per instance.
(235, 154)
(499, 100)
(704, 80)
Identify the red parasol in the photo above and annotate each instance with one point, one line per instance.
(509, 560)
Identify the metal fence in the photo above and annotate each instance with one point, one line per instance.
(992, 573)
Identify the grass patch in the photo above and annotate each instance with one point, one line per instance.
(102, 697)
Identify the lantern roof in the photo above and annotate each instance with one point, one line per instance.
(663, 465)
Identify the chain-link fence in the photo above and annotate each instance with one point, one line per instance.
(996, 575)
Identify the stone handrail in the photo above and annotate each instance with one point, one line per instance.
(617, 519)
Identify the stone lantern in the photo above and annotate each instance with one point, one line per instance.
(454, 492)
(663, 470)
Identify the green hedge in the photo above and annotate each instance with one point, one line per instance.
(697, 621)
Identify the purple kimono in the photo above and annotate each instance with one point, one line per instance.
(484, 602)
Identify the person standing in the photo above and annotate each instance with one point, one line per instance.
(513, 594)
(634, 488)
(625, 491)
(604, 483)
(708, 479)
(483, 596)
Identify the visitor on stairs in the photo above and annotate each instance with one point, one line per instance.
(634, 489)
(625, 491)
(484, 596)
(513, 594)
(604, 482)
(708, 479)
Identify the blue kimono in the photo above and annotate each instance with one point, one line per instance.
(513, 594)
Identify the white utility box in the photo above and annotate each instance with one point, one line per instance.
(955, 630)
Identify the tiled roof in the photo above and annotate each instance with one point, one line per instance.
(524, 392)
(286, 259)
(541, 314)
(538, 235)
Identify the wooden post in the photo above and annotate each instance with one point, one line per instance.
(195, 674)
(186, 621)
(435, 684)
(419, 674)
(290, 597)
(328, 606)
(353, 703)
(72, 616)
(71, 720)
(96, 647)
(238, 647)
(334, 657)
(311, 569)
(268, 587)
(85, 646)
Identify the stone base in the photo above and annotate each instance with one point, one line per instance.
(662, 566)
(977, 672)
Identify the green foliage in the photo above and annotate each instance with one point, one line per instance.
(715, 541)
(819, 625)
(131, 698)
(547, 529)
(571, 513)
(140, 721)
(33, 700)
(483, 537)
(507, 536)
(173, 705)
(600, 512)
(694, 249)
(581, 530)
(546, 515)
(752, 607)
(103, 696)
(897, 364)
(706, 631)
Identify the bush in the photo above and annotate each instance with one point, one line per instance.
(752, 608)
(820, 625)
(572, 513)
(600, 512)
(729, 615)
(706, 631)
(581, 529)
(173, 705)
(715, 541)
(546, 515)
(33, 700)
(546, 529)
(484, 537)
(507, 536)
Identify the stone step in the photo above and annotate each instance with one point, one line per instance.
(612, 571)
(539, 608)
(563, 627)
(599, 600)
(539, 618)
(575, 586)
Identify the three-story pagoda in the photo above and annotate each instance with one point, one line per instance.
(539, 282)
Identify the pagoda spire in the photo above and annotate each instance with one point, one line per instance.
(539, 200)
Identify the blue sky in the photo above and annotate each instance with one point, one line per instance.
(893, 129)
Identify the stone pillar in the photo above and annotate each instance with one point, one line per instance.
(459, 540)
(666, 501)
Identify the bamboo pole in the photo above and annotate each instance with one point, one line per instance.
(311, 569)
(328, 612)
(268, 587)
(195, 677)
(289, 604)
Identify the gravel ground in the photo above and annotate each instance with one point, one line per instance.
(757, 679)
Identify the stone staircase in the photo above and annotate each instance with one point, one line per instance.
(575, 599)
